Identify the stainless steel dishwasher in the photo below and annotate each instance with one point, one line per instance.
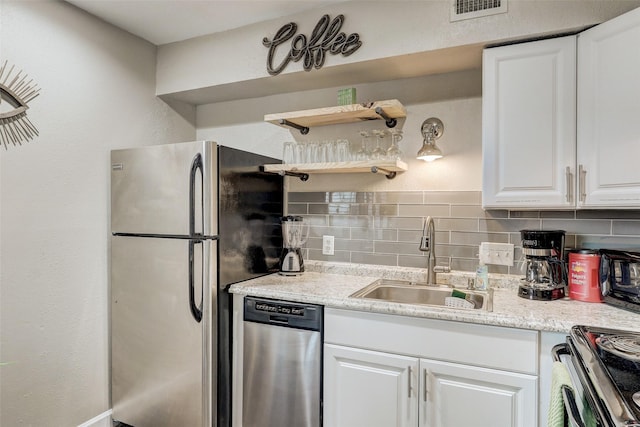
(282, 375)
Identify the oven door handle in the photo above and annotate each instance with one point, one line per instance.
(575, 420)
(568, 396)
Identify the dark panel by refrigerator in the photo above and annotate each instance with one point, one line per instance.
(250, 206)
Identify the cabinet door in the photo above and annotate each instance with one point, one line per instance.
(529, 124)
(460, 395)
(609, 112)
(368, 388)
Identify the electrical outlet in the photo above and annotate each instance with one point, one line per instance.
(496, 253)
(327, 245)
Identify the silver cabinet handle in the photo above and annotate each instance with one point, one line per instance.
(409, 383)
(569, 177)
(582, 173)
(425, 375)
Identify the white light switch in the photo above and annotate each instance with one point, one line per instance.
(327, 245)
(496, 253)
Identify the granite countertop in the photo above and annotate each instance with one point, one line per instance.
(330, 284)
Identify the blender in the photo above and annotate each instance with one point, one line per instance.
(544, 265)
(294, 234)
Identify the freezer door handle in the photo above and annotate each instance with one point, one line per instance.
(196, 165)
(196, 310)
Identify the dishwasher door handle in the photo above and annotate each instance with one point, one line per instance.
(280, 320)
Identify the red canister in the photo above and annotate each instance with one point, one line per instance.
(584, 283)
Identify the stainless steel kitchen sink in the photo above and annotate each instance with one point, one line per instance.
(406, 292)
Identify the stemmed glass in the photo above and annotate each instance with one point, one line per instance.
(394, 152)
(379, 152)
(363, 153)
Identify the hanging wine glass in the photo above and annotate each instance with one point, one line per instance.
(363, 152)
(379, 152)
(394, 152)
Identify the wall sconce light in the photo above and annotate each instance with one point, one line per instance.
(432, 129)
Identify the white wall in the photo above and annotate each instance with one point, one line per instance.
(97, 94)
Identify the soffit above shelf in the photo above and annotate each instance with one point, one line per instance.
(391, 68)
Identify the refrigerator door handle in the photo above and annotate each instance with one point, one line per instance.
(196, 311)
(196, 165)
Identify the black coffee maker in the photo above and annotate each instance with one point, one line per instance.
(544, 266)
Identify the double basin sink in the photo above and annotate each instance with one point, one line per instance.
(405, 292)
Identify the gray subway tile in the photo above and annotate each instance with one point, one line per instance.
(524, 214)
(297, 209)
(579, 226)
(415, 235)
(473, 211)
(402, 223)
(385, 227)
(399, 197)
(453, 197)
(396, 248)
(508, 225)
(457, 251)
(461, 264)
(338, 256)
(424, 210)
(470, 238)
(558, 214)
(355, 245)
(456, 224)
(412, 261)
(337, 232)
(378, 259)
(374, 233)
(608, 214)
(626, 228)
(611, 242)
(496, 213)
(311, 197)
(350, 221)
(342, 197)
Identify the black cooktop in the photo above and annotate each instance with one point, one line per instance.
(620, 364)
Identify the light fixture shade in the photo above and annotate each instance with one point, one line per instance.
(432, 129)
(429, 152)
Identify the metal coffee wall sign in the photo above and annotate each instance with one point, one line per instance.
(325, 38)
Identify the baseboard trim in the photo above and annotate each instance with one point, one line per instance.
(93, 421)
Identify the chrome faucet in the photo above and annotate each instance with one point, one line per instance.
(428, 245)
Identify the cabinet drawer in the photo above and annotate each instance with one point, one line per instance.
(478, 345)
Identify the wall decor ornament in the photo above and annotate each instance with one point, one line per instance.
(15, 93)
(325, 38)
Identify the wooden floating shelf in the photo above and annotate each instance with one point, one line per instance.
(339, 114)
(339, 167)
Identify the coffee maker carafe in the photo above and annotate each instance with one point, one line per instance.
(294, 234)
(543, 265)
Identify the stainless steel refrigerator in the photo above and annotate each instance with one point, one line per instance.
(187, 221)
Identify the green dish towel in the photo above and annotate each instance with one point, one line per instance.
(559, 377)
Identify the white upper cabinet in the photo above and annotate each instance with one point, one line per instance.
(609, 113)
(529, 124)
(561, 132)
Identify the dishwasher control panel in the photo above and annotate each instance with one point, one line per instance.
(283, 313)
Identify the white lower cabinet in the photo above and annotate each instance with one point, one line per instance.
(376, 389)
(386, 371)
(460, 395)
(369, 388)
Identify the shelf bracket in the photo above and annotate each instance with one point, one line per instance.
(389, 174)
(303, 176)
(390, 122)
(303, 129)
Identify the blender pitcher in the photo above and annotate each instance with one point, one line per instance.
(294, 234)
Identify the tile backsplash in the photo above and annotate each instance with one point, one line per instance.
(384, 228)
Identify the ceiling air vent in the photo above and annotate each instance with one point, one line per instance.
(467, 9)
